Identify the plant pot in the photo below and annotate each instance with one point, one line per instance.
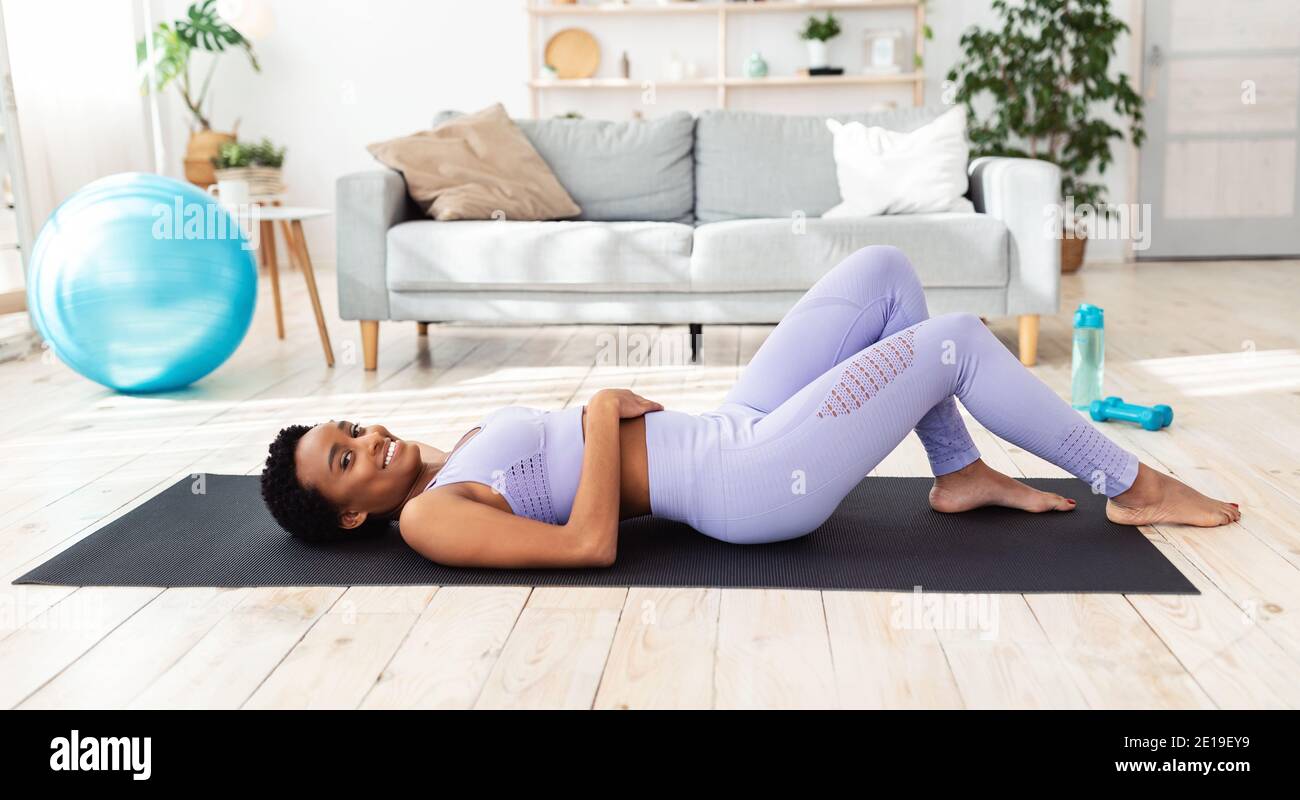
(262, 181)
(816, 54)
(1072, 248)
(202, 148)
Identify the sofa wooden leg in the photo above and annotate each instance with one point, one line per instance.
(697, 333)
(370, 343)
(1028, 339)
(423, 328)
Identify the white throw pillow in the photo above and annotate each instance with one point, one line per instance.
(888, 172)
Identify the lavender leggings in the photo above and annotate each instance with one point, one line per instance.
(855, 366)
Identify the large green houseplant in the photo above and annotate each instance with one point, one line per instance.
(174, 44)
(1047, 72)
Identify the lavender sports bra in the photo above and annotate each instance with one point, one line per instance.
(533, 458)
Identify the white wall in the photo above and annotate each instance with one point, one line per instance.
(78, 100)
(339, 74)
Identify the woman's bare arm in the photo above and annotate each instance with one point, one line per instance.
(596, 504)
(451, 527)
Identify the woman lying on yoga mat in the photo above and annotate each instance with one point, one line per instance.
(855, 365)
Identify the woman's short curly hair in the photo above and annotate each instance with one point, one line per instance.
(301, 511)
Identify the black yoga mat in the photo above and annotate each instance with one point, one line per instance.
(884, 536)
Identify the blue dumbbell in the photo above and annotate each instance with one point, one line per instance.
(1153, 418)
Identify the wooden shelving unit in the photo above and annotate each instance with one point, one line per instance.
(588, 9)
(720, 11)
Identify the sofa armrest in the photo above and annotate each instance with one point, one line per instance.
(1020, 192)
(367, 204)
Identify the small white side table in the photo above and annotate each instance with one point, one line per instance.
(290, 219)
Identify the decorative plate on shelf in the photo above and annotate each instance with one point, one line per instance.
(573, 53)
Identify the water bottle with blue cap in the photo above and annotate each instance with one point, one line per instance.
(1089, 355)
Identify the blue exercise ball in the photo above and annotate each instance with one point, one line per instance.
(142, 283)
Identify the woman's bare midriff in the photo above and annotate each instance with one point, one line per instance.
(634, 473)
(634, 466)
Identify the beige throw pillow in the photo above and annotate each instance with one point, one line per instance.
(477, 166)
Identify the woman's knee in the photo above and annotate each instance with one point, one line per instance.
(958, 322)
(883, 265)
(882, 257)
(962, 326)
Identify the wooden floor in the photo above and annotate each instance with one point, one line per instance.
(1220, 342)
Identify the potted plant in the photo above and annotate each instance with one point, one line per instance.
(816, 33)
(173, 47)
(259, 163)
(1048, 73)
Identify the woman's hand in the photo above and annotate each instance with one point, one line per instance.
(627, 403)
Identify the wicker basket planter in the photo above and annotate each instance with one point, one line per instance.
(1072, 251)
(199, 152)
(261, 180)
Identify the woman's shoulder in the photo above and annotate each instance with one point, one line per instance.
(418, 522)
(421, 515)
(420, 512)
(417, 514)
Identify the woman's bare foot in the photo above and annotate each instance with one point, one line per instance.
(977, 484)
(1155, 497)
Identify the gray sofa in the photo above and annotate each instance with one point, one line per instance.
(688, 220)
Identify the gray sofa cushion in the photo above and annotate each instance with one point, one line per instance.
(750, 164)
(637, 308)
(638, 169)
(948, 250)
(424, 255)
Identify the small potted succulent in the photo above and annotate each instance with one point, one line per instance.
(259, 163)
(816, 33)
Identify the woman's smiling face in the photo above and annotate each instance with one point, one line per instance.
(360, 470)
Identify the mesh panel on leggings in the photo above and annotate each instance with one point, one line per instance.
(1086, 451)
(867, 373)
(528, 490)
